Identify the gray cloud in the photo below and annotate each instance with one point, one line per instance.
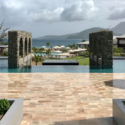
(119, 14)
(18, 12)
(112, 8)
(79, 11)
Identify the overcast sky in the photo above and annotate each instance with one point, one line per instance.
(58, 17)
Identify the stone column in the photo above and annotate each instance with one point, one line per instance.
(18, 45)
(30, 49)
(27, 50)
(23, 48)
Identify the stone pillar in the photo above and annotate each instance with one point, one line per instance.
(27, 51)
(31, 49)
(23, 48)
(12, 49)
(18, 45)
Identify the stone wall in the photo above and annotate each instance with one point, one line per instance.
(19, 43)
(101, 46)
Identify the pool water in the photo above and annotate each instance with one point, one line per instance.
(53, 53)
(118, 67)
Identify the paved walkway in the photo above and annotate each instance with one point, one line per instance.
(64, 98)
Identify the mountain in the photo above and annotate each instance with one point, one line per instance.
(85, 34)
(56, 37)
(118, 30)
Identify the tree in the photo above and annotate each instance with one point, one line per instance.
(3, 33)
(48, 52)
(6, 43)
(83, 40)
(34, 50)
(5, 53)
(36, 59)
(51, 48)
(47, 44)
(41, 50)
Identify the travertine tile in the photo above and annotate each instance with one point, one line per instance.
(64, 98)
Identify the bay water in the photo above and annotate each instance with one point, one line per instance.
(38, 43)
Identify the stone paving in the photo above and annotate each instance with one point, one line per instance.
(64, 98)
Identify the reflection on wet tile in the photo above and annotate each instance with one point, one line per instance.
(64, 98)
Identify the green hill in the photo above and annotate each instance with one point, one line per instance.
(80, 35)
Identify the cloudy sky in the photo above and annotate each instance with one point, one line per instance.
(58, 17)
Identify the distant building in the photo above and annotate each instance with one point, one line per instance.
(83, 44)
(121, 41)
(2, 47)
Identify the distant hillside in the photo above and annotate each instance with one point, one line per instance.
(117, 31)
(56, 37)
(85, 34)
(120, 28)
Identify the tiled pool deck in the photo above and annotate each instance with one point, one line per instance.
(64, 98)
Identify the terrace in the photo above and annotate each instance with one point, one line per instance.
(65, 98)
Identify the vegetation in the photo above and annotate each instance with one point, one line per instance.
(116, 54)
(122, 54)
(4, 106)
(41, 50)
(117, 50)
(37, 59)
(3, 33)
(83, 40)
(48, 52)
(34, 50)
(87, 48)
(48, 44)
(5, 53)
(74, 46)
(64, 50)
(57, 45)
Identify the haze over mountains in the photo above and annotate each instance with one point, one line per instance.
(118, 30)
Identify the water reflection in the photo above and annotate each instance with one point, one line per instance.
(20, 69)
(99, 69)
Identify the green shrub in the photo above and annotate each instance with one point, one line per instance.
(86, 54)
(33, 58)
(116, 54)
(5, 53)
(4, 106)
(122, 54)
(80, 53)
(117, 50)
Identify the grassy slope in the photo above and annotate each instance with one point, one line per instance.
(82, 60)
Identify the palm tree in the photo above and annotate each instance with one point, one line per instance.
(36, 59)
(83, 40)
(48, 52)
(47, 44)
(35, 51)
(41, 50)
(51, 48)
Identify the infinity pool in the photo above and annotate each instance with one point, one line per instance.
(53, 53)
(118, 67)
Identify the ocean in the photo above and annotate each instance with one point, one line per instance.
(38, 43)
(53, 42)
